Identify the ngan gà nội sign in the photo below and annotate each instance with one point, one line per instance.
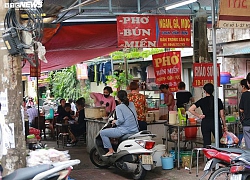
(151, 31)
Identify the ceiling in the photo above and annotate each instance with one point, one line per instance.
(86, 29)
(106, 10)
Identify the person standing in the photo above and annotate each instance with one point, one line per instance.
(32, 113)
(105, 99)
(207, 106)
(168, 96)
(140, 103)
(245, 108)
(183, 96)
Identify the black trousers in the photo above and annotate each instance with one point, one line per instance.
(207, 127)
(142, 125)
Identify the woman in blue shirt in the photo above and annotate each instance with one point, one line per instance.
(126, 122)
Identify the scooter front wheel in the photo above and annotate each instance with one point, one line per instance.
(96, 159)
(139, 173)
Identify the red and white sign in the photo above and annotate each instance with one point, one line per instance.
(167, 67)
(153, 31)
(203, 73)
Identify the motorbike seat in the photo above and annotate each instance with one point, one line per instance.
(231, 150)
(28, 172)
(124, 137)
(244, 156)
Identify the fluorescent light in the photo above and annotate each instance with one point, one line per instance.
(178, 4)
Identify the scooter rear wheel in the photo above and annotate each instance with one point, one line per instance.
(96, 159)
(139, 173)
(221, 174)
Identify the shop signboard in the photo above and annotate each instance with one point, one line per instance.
(150, 31)
(167, 68)
(203, 73)
(234, 14)
(35, 71)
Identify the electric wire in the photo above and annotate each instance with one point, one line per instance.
(33, 24)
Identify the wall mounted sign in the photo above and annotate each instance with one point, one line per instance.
(153, 31)
(167, 67)
(234, 14)
(35, 71)
(203, 73)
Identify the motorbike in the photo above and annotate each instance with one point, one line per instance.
(54, 171)
(240, 167)
(221, 157)
(133, 153)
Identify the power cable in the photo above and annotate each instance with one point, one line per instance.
(33, 24)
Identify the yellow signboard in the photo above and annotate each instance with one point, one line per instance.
(234, 14)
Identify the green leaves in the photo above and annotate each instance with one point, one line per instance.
(135, 53)
(64, 83)
(119, 80)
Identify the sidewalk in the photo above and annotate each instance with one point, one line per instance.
(86, 170)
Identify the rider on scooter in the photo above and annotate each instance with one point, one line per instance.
(126, 122)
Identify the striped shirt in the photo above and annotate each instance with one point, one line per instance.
(32, 113)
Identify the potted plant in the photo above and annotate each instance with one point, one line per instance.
(119, 81)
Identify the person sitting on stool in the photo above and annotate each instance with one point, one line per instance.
(79, 127)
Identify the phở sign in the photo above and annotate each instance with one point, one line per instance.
(153, 31)
(167, 67)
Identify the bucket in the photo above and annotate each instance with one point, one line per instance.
(167, 162)
(191, 132)
(172, 117)
(159, 150)
(172, 152)
(225, 77)
(186, 158)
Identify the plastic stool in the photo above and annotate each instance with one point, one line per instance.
(64, 136)
(197, 159)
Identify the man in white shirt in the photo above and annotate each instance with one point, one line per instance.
(73, 106)
(32, 113)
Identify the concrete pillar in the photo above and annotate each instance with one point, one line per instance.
(200, 44)
(11, 123)
(200, 37)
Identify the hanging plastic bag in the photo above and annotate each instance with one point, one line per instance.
(229, 138)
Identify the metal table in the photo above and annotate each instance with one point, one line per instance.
(179, 126)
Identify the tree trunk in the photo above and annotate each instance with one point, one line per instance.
(12, 138)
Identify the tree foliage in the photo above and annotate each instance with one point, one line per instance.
(135, 53)
(64, 83)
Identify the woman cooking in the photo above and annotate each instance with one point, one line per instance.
(104, 99)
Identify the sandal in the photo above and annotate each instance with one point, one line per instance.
(108, 154)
